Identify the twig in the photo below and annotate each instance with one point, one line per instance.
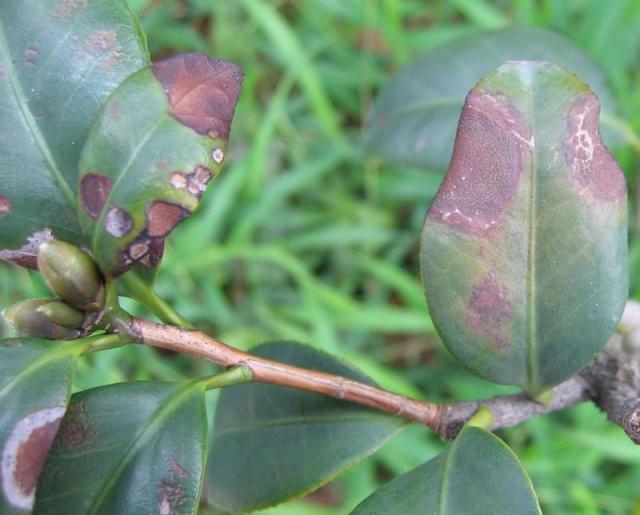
(268, 371)
(612, 382)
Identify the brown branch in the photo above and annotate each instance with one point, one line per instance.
(268, 371)
(612, 382)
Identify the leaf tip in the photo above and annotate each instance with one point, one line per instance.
(202, 91)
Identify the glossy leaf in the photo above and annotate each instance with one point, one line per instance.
(478, 475)
(35, 384)
(273, 443)
(415, 117)
(59, 60)
(524, 249)
(159, 140)
(128, 448)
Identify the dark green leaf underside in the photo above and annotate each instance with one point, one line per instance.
(273, 443)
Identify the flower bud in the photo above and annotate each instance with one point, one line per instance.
(71, 274)
(45, 318)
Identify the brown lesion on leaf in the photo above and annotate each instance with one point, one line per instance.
(162, 217)
(66, 7)
(592, 167)
(104, 44)
(24, 454)
(490, 310)
(148, 246)
(5, 206)
(144, 250)
(195, 183)
(172, 497)
(488, 158)
(74, 430)
(118, 222)
(94, 191)
(31, 55)
(202, 91)
(27, 255)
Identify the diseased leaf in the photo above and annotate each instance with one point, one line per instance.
(35, 384)
(128, 448)
(159, 140)
(478, 475)
(273, 443)
(415, 116)
(524, 249)
(59, 60)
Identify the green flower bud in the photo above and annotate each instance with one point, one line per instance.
(71, 274)
(62, 314)
(32, 318)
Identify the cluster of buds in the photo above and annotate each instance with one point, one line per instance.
(72, 275)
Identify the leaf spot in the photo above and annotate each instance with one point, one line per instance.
(592, 167)
(202, 91)
(490, 309)
(162, 217)
(24, 454)
(217, 155)
(94, 191)
(66, 7)
(485, 167)
(104, 44)
(74, 430)
(31, 55)
(5, 206)
(118, 222)
(195, 183)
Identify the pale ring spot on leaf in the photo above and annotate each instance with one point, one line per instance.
(118, 222)
(24, 454)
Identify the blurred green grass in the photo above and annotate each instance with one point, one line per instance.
(305, 236)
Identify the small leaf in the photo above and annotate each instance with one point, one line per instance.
(524, 249)
(159, 140)
(35, 384)
(415, 116)
(128, 448)
(273, 443)
(478, 475)
(59, 60)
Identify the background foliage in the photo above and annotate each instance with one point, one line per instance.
(307, 236)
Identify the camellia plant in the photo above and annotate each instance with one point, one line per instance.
(524, 260)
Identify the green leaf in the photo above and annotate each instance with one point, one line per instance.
(59, 60)
(35, 384)
(159, 140)
(524, 249)
(415, 117)
(273, 443)
(478, 475)
(128, 448)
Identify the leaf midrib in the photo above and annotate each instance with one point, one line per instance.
(34, 129)
(531, 367)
